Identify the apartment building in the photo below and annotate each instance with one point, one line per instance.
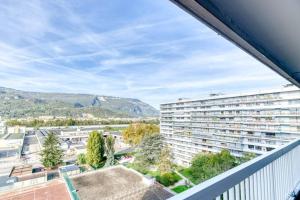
(252, 122)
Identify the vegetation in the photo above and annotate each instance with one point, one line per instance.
(246, 157)
(165, 160)
(152, 154)
(110, 128)
(205, 166)
(168, 179)
(51, 153)
(95, 149)
(109, 144)
(180, 188)
(81, 159)
(74, 122)
(149, 151)
(135, 133)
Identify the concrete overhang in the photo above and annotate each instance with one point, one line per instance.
(269, 30)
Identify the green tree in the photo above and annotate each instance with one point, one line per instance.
(135, 133)
(165, 160)
(149, 150)
(81, 159)
(226, 160)
(247, 156)
(205, 166)
(110, 151)
(70, 122)
(95, 149)
(51, 154)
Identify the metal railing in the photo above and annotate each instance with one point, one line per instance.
(272, 176)
(70, 187)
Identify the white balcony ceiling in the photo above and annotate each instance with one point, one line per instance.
(267, 29)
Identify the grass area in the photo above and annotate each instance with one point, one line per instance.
(153, 173)
(181, 188)
(166, 179)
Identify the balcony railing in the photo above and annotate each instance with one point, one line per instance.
(272, 176)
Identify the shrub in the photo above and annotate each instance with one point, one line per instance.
(81, 159)
(168, 179)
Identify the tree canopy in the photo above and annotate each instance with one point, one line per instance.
(51, 153)
(149, 150)
(165, 160)
(110, 150)
(205, 166)
(95, 149)
(247, 156)
(135, 133)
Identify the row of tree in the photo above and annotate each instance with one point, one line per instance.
(97, 146)
(72, 122)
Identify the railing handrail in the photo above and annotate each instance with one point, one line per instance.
(214, 187)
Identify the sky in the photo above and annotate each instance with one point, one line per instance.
(146, 49)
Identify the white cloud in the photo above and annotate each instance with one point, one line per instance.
(68, 46)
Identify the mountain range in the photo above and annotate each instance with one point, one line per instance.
(17, 104)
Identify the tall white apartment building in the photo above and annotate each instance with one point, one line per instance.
(252, 122)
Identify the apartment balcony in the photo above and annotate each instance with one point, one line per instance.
(246, 114)
(245, 128)
(240, 101)
(272, 176)
(246, 121)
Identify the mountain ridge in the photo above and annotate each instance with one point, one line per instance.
(18, 103)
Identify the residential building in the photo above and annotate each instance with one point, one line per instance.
(251, 122)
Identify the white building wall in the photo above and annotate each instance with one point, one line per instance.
(253, 122)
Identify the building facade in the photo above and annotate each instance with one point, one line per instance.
(252, 122)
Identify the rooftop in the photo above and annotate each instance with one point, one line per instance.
(116, 182)
(52, 190)
(224, 96)
(21, 170)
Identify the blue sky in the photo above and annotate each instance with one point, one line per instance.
(146, 49)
